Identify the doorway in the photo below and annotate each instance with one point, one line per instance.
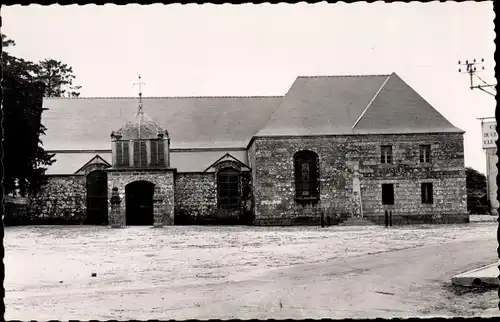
(139, 210)
(97, 198)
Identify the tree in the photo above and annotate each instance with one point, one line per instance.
(24, 157)
(58, 79)
(477, 199)
(25, 83)
(56, 76)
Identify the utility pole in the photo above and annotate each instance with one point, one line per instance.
(471, 69)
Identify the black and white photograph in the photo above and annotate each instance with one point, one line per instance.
(250, 161)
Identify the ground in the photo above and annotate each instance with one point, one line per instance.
(244, 272)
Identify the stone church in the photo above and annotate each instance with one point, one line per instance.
(333, 147)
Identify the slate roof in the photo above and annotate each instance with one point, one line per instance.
(374, 104)
(397, 108)
(69, 163)
(316, 105)
(142, 127)
(184, 161)
(192, 122)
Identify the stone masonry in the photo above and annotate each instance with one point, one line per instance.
(195, 194)
(196, 199)
(163, 198)
(62, 197)
(348, 161)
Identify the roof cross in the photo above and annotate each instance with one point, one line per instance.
(140, 93)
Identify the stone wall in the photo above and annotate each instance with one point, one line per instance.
(343, 160)
(274, 189)
(196, 200)
(61, 201)
(195, 196)
(163, 197)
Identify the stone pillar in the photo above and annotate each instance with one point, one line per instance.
(115, 216)
(356, 193)
(168, 200)
(158, 207)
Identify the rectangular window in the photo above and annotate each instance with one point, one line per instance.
(388, 194)
(122, 158)
(140, 154)
(154, 152)
(425, 154)
(119, 153)
(126, 156)
(144, 154)
(427, 194)
(157, 153)
(386, 154)
(228, 186)
(161, 152)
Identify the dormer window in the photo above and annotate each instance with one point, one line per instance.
(157, 152)
(122, 153)
(140, 154)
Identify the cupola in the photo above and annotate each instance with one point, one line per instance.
(140, 143)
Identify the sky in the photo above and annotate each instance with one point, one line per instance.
(231, 50)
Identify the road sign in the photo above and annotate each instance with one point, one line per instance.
(489, 134)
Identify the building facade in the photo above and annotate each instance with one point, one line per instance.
(332, 148)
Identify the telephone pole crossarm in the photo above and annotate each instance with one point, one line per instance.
(471, 69)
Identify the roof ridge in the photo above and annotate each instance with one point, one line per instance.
(371, 101)
(340, 76)
(159, 97)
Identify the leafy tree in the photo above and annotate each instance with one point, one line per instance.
(476, 191)
(24, 84)
(24, 70)
(58, 79)
(24, 157)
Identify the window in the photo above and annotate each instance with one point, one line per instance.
(386, 154)
(157, 153)
(388, 194)
(427, 197)
(140, 154)
(122, 158)
(425, 154)
(306, 175)
(228, 188)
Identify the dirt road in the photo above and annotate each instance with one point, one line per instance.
(407, 282)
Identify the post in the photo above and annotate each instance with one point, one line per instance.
(115, 215)
(386, 218)
(390, 218)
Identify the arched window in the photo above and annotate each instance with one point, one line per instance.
(306, 175)
(228, 188)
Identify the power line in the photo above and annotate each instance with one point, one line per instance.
(471, 69)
